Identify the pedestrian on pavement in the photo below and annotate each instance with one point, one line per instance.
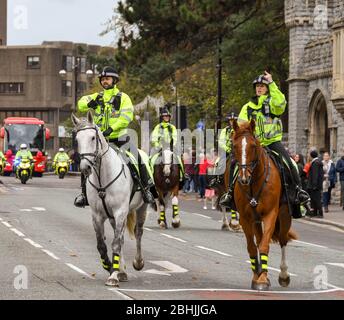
(204, 164)
(330, 179)
(315, 184)
(189, 171)
(300, 161)
(340, 169)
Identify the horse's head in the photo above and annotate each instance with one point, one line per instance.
(90, 142)
(245, 150)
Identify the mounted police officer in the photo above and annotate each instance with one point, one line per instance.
(113, 113)
(266, 108)
(165, 133)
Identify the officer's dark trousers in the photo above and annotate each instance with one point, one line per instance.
(279, 148)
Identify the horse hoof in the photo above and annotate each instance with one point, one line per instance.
(138, 265)
(284, 282)
(225, 227)
(176, 224)
(163, 225)
(112, 282)
(122, 277)
(260, 286)
(235, 227)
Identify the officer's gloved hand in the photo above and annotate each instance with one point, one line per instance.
(92, 104)
(107, 132)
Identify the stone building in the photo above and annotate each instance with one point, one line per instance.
(31, 84)
(316, 75)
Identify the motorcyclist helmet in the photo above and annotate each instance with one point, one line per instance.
(23, 146)
(61, 150)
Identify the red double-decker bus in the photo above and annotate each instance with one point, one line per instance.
(32, 132)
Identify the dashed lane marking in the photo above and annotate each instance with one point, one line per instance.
(49, 253)
(122, 295)
(198, 214)
(310, 244)
(6, 224)
(39, 209)
(17, 232)
(335, 264)
(171, 237)
(33, 243)
(216, 251)
(72, 266)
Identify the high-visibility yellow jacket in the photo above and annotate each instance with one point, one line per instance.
(163, 133)
(225, 142)
(114, 109)
(266, 111)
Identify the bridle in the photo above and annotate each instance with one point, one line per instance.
(253, 199)
(97, 158)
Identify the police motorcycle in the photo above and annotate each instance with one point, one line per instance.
(24, 170)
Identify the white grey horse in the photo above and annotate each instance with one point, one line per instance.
(109, 188)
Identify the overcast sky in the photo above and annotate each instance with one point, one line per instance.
(34, 21)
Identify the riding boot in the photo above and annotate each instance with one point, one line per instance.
(146, 185)
(227, 199)
(81, 200)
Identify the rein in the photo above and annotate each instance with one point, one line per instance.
(98, 158)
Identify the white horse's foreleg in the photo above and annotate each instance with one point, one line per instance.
(119, 228)
(284, 278)
(98, 225)
(225, 224)
(175, 214)
(138, 262)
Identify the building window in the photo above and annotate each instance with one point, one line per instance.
(82, 65)
(66, 88)
(33, 62)
(12, 88)
(67, 63)
(81, 87)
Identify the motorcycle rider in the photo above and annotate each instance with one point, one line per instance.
(61, 156)
(266, 107)
(113, 113)
(23, 153)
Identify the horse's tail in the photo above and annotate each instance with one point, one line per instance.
(291, 235)
(131, 222)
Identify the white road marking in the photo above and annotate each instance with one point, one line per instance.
(17, 232)
(147, 229)
(216, 251)
(232, 290)
(171, 237)
(72, 266)
(277, 270)
(168, 266)
(120, 294)
(0, 219)
(335, 264)
(6, 224)
(201, 215)
(49, 253)
(33, 243)
(310, 244)
(39, 209)
(26, 210)
(332, 286)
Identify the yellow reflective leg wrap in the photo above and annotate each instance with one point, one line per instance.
(115, 264)
(233, 215)
(264, 262)
(106, 265)
(162, 215)
(253, 263)
(175, 210)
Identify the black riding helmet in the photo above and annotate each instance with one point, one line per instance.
(109, 72)
(260, 79)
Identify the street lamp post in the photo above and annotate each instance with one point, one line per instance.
(219, 91)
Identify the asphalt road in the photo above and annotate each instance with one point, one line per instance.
(44, 235)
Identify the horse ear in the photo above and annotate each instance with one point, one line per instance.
(89, 117)
(75, 120)
(235, 125)
(252, 125)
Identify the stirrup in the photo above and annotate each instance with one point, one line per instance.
(226, 200)
(148, 196)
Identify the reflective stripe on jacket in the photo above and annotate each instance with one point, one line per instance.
(164, 132)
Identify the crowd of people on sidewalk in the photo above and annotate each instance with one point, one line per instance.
(319, 177)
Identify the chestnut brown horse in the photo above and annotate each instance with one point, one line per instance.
(257, 194)
(166, 179)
